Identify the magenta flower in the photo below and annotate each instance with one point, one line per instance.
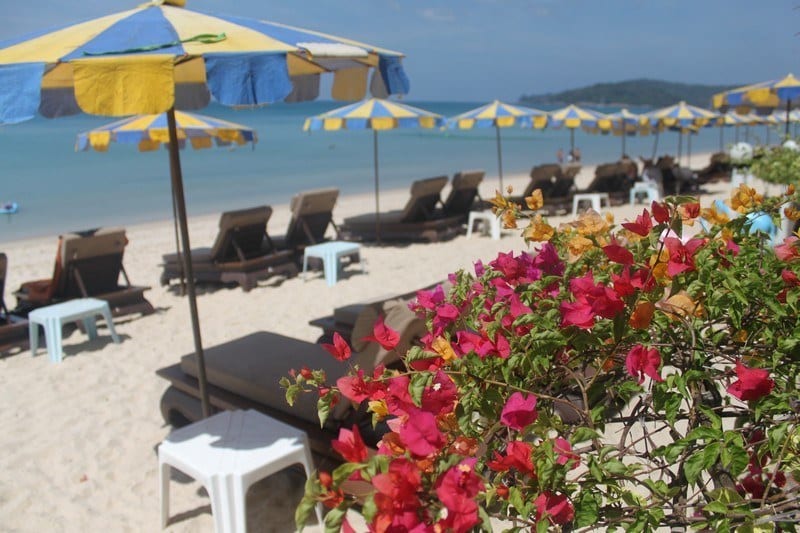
(753, 383)
(642, 362)
(519, 411)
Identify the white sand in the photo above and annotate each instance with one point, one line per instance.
(78, 438)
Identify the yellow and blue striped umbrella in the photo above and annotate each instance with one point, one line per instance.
(574, 117)
(626, 123)
(375, 114)
(681, 117)
(159, 56)
(498, 115)
(150, 132)
(764, 96)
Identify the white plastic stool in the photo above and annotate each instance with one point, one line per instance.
(53, 317)
(640, 188)
(227, 453)
(596, 199)
(330, 253)
(487, 219)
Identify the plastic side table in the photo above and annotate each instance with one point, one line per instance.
(596, 199)
(330, 253)
(648, 190)
(227, 453)
(53, 317)
(487, 219)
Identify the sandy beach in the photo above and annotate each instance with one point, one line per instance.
(79, 438)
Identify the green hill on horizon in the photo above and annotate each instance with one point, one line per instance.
(640, 93)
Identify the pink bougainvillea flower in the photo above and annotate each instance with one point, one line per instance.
(554, 507)
(440, 396)
(398, 398)
(383, 335)
(788, 250)
(660, 212)
(420, 434)
(401, 481)
(548, 261)
(690, 210)
(752, 383)
(339, 349)
(429, 300)
(565, 454)
(350, 445)
(355, 388)
(681, 256)
(578, 313)
(516, 270)
(519, 411)
(456, 489)
(642, 362)
(518, 456)
(641, 226)
(618, 254)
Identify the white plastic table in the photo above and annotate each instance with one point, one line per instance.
(53, 317)
(648, 190)
(596, 199)
(488, 220)
(227, 453)
(330, 253)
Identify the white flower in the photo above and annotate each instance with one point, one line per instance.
(741, 152)
(791, 145)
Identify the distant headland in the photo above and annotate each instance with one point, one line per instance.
(634, 93)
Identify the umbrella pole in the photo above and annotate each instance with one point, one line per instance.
(766, 126)
(499, 159)
(680, 146)
(178, 241)
(655, 145)
(623, 140)
(377, 188)
(788, 107)
(572, 140)
(721, 128)
(180, 202)
(689, 150)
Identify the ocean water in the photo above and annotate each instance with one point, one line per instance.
(61, 190)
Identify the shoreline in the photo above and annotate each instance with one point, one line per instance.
(80, 436)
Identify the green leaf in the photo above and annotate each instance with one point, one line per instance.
(693, 466)
(307, 504)
(515, 498)
(583, 434)
(704, 433)
(587, 510)
(323, 410)
(615, 466)
(417, 387)
(715, 507)
(344, 471)
(334, 519)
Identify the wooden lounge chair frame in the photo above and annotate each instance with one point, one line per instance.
(557, 184)
(419, 220)
(13, 330)
(242, 253)
(312, 213)
(464, 194)
(88, 264)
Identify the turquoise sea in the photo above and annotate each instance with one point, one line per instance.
(61, 190)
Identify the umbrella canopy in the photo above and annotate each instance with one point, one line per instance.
(159, 56)
(149, 132)
(498, 115)
(573, 117)
(681, 117)
(625, 123)
(375, 114)
(763, 97)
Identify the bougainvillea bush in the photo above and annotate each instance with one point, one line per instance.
(628, 377)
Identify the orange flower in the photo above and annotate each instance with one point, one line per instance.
(442, 346)
(681, 305)
(509, 219)
(744, 198)
(378, 407)
(538, 230)
(792, 213)
(579, 244)
(535, 200)
(659, 265)
(591, 223)
(713, 216)
(642, 315)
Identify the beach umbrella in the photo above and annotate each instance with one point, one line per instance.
(680, 117)
(159, 56)
(735, 120)
(498, 115)
(625, 123)
(574, 117)
(375, 114)
(149, 132)
(762, 97)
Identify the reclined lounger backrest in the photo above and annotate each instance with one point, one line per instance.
(543, 177)
(244, 229)
(425, 194)
(312, 212)
(3, 271)
(463, 192)
(90, 262)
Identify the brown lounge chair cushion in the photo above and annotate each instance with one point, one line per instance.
(252, 366)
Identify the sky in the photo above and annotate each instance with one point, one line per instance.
(480, 50)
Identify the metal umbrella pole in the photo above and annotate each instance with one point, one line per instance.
(377, 188)
(180, 203)
(499, 158)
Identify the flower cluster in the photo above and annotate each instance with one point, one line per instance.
(635, 376)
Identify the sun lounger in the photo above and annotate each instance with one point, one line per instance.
(615, 179)
(244, 374)
(312, 213)
(718, 168)
(241, 253)
(464, 195)
(418, 221)
(88, 264)
(557, 184)
(13, 330)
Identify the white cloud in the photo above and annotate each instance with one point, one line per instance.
(437, 15)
